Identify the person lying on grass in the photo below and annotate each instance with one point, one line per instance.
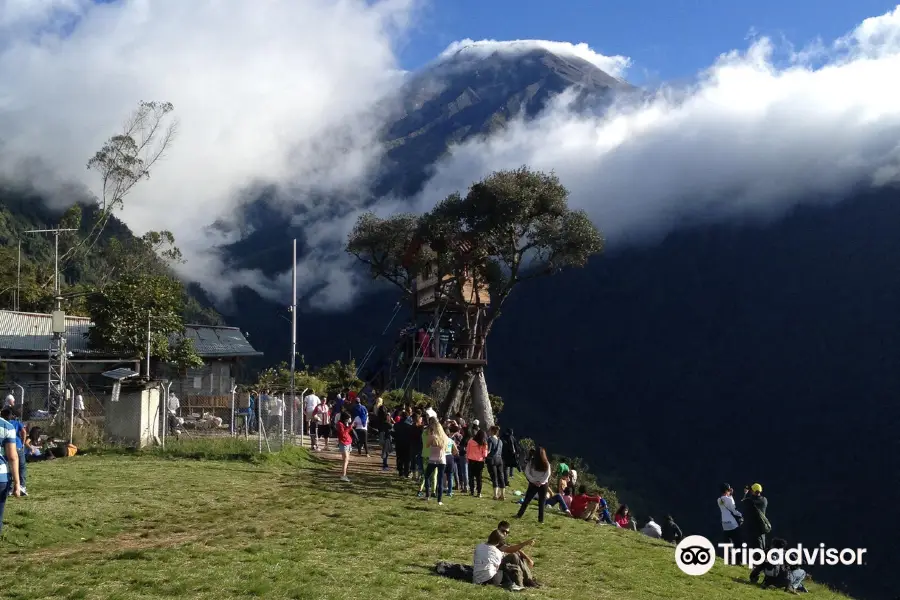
(495, 563)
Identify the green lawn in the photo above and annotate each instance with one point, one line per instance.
(116, 526)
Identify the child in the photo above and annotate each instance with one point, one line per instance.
(345, 443)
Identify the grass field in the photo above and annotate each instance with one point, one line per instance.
(283, 526)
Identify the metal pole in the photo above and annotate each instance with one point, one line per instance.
(294, 342)
(71, 413)
(259, 424)
(282, 421)
(19, 276)
(233, 391)
(56, 269)
(165, 424)
(148, 345)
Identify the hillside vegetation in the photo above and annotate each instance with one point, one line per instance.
(283, 526)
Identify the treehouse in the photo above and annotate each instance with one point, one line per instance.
(447, 315)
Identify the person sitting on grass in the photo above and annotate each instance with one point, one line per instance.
(527, 562)
(584, 506)
(604, 513)
(671, 532)
(784, 576)
(623, 518)
(652, 529)
(495, 563)
(345, 443)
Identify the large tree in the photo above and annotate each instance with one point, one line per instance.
(510, 227)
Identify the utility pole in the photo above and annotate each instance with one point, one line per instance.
(18, 277)
(56, 371)
(149, 318)
(294, 343)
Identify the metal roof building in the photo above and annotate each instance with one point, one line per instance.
(29, 333)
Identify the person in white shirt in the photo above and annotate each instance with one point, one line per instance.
(731, 516)
(652, 529)
(319, 424)
(537, 472)
(79, 406)
(310, 402)
(174, 404)
(430, 414)
(276, 412)
(494, 563)
(10, 402)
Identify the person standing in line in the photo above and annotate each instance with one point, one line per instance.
(9, 465)
(450, 457)
(757, 523)
(537, 472)
(402, 445)
(476, 452)
(494, 463)
(416, 433)
(731, 516)
(437, 443)
(385, 432)
(310, 403)
(462, 462)
(361, 427)
(510, 458)
(345, 443)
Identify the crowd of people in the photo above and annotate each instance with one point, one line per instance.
(450, 455)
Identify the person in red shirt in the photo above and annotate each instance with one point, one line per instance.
(623, 518)
(345, 443)
(583, 505)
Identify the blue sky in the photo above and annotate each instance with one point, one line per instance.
(667, 39)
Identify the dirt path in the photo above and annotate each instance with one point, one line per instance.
(370, 465)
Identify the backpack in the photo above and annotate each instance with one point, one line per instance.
(764, 522)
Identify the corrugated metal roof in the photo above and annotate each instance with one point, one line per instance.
(219, 341)
(30, 332)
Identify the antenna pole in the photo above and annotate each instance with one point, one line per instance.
(19, 277)
(294, 343)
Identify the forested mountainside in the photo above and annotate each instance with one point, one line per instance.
(116, 251)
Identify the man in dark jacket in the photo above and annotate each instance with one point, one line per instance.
(510, 458)
(756, 524)
(671, 532)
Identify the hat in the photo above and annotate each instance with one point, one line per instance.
(475, 422)
(756, 488)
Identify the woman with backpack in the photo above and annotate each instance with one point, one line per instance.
(537, 472)
(494, 462)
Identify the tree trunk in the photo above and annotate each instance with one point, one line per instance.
(459, 385)
(481, 402)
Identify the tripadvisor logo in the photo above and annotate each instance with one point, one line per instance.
(696, 555)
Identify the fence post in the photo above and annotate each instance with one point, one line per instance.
(71, 388)
(233, 391)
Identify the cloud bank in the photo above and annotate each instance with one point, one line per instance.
(277, 92)
(752, 137)
(282, 93)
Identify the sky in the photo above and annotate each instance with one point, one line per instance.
(666, 39)
(755, 108)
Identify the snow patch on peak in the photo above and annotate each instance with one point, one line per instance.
(612, 65)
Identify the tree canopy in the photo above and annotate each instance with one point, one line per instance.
(510, 227)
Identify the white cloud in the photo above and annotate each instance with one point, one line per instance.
(282, 92)
(613, 65)
(277, 91)
(749, 139)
